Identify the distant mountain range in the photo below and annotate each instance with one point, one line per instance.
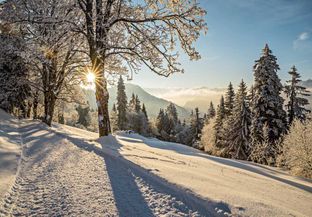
(190, 98)
(185, 99)
(307, 83)
(152, 103)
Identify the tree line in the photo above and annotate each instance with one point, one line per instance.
(253, 124)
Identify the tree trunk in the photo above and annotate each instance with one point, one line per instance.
(49, 104)
(23, 110)
(102, 96)
(35, 105)
(29, 106)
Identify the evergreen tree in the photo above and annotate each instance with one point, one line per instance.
(196, 125)
(211, 111)
(229, 100)
(132, 103)
(296, 104)
(238, 126)
(172, 115)
(114, 118)
(267, 104)
(61, 118)
(251, 95)
(184, 123)
(137, 105)
(137, 119)
(144, 112)
(162, 124)
(121, 104)
(84, 117)
(218, 126)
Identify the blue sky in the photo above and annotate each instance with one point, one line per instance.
(238, 30)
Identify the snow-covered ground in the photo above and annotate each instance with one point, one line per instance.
(9, 151)
(66, 171)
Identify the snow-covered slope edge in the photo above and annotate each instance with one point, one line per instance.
(10, 153)
(246, 188)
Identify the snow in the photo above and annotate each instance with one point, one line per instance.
(9, 151)
(66, 171)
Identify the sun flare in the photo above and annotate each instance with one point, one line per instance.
(90, 77)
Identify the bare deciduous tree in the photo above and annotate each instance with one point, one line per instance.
(124, 35)
(52, 49)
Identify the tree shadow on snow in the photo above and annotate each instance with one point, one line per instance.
(128, 197)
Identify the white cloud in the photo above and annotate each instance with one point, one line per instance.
(302, 37)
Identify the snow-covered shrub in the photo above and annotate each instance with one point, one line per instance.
(297, 149)
(266, 152)
(184, 136)
(208, 138)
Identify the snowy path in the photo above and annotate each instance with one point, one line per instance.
(61, 175)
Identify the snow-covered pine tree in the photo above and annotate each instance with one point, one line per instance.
(146, 128)
(144, 112)
(132, 115)
(132, 102)
(250, 95)
(83, 115)
(114, 118)
(121, 104)
(172, 114)
(296, 93)
(61, 118)
(267, 104)
(196, 126)
(162, 124)
(218, 126)
(211, 111)
(237, 133)
(136, 118)
(229, 100)
(160, 120)
(137, 104)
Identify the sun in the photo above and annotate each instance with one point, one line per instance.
(90, 77)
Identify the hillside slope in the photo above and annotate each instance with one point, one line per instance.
(152, 103)
(238, 187)
(64, 175)
(68, 171)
